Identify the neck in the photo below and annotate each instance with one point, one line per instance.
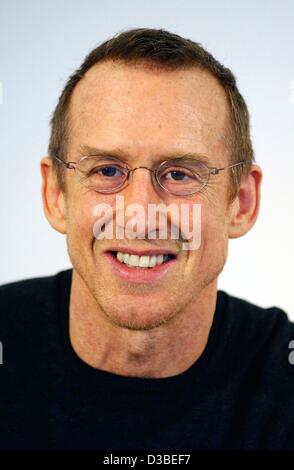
(165, 351)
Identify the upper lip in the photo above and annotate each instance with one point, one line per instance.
(150, 252)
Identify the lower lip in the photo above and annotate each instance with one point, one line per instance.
(139, 274)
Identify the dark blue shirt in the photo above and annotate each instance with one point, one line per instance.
(237, 395)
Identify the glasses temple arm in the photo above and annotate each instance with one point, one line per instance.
(215, 171)
(69, 165)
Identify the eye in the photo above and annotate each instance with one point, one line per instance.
(176, 175)
(110, 171)
(107, 171)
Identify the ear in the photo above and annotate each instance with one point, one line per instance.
(53, 197)
(245, 207)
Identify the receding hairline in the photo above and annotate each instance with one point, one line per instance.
(162, 50)
(148, 66)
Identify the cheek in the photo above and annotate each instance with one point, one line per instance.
(212, 249)
(206, 222)
(214, 239)
(215, 224)
(203, 265)
(80, 221)
(83, 211)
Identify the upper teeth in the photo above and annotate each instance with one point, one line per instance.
(140, 261)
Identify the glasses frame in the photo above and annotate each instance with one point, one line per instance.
(155, 180)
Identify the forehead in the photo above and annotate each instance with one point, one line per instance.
(147, 111)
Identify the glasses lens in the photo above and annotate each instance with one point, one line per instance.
(182, 177)
(101, 174)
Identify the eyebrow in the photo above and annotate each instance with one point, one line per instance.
(86, 150)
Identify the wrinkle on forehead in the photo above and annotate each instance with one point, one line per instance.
(130, 104)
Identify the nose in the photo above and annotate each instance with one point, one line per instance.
(138, 194)
(141, 189)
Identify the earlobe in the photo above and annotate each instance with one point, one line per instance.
(52, 196)
(245, 207)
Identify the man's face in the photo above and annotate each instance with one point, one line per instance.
(145, 116)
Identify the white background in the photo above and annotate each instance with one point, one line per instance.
(42, 42)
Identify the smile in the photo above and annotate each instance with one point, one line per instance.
(140, 267)
(144, 261)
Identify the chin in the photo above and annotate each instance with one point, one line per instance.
(131, 320)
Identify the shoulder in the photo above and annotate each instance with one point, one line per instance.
(257, 359)
(247, 312)
(24, 290)
(36, 287)
(253, 320)
(260, 338)
(26, 299)
(29, 321)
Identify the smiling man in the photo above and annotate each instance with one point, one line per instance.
(135, 348)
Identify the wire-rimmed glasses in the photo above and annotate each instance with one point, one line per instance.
(182, 176)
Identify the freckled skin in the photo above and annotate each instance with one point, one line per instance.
(149, 114)
(146, 114)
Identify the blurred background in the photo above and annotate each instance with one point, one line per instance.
(42, 42)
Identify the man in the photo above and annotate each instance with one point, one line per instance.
(135, 348)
